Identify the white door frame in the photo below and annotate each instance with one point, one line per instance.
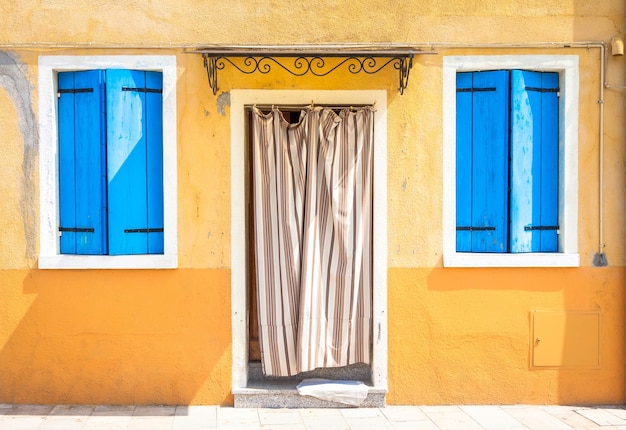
(239, 296)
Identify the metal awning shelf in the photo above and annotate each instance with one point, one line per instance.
(314, 60)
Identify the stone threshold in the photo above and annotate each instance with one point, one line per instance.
(287, 396)
(272, 392)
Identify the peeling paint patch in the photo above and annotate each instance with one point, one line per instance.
(223, 100)
(14, 81)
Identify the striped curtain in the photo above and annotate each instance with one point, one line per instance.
(312, 190)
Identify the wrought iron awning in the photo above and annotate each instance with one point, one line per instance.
(301, 60)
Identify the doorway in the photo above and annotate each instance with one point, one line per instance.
(243, 313)
(310, 223)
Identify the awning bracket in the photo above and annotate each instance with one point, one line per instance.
(300, 63)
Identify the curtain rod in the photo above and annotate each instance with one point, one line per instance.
(295, 107)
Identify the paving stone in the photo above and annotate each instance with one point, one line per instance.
(537, 418)
(67, 417)
(414, 425)
(30, 410)
(22, 422)
(151, 423)
(62, 423)
(453, 420)
(575, 420)
(240, 427)
(445, 409)
(197, 411)
(596, 427)
(195, 418)
(279, 416)
(403, 413)
(292, 426)
(184, 423)
(514, 417)
(112, 411)
(492, 417)
(72, 410)
(154, 411)
(325, 422)
(104, 422)
(369, 423)
(602, 417)
(232, 416)
(617, 411)
(320, 412)
(361, 413)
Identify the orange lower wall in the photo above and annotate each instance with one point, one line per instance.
(121, 337)
(463, 335)
(164, 337)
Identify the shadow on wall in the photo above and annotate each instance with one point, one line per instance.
(602, 290)
(602, 294)
(121, 337)
(499, 279)
(491, 310)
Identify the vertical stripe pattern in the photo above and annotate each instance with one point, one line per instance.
(312, 221)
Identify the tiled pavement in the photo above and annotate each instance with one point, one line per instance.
(62, 417)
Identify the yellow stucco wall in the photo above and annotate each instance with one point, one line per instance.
(164, 336)
(277, 22)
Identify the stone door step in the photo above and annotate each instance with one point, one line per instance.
(280, 392)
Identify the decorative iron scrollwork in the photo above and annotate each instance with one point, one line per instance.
(403, 65)
(317, 65)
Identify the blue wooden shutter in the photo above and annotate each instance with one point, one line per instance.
(464, 120)
(482, 140)
(82, 186)
(534, 161)
(134, 162)
(154, 130)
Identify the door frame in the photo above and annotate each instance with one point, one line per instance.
(239, 307)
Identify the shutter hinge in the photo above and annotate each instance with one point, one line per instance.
(74, 90)
(475, 90)
(76, 229)
(142, 90)
(541, 227)
(143, 230)
(543, 90)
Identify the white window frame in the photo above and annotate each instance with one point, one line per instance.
(49, 253)
(567, 67)
(239, 304)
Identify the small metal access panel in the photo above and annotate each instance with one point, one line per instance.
(565, 339)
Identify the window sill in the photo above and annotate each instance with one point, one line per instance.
(151, 261)
(462, 259)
